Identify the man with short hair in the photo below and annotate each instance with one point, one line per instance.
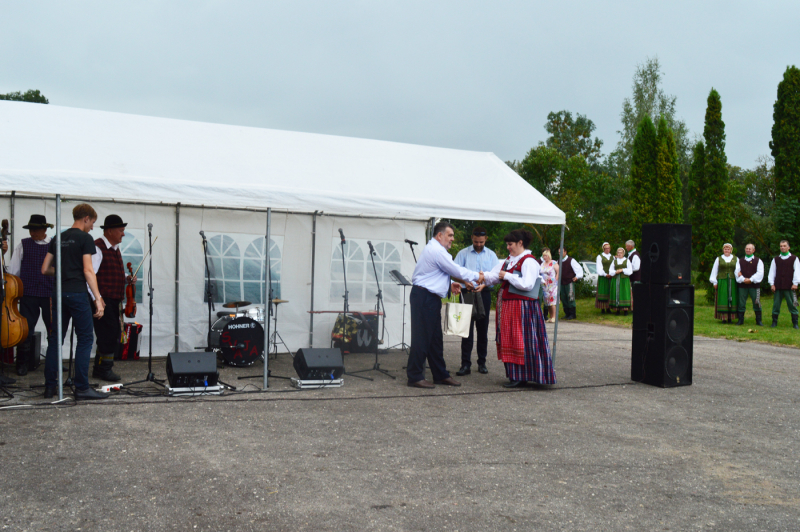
(77, 271)
(111, 281)
(26, 263)
(571, 271)
(749, 273)
(431, 280)
(477, 258)
(784, 276)
(636, 263)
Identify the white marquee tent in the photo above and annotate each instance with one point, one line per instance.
(184, 177)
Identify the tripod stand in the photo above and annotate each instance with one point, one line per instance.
(378, 307)
(150, 375)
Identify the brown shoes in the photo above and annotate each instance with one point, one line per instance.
(422, 384)
(449, 381)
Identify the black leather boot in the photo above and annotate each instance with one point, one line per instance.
(774, 320)
(758, 318)
(102, 368)
(794, 322)
(741, 319)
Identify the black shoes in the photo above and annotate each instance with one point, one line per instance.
(482, 369)
(465, 370)
(107, 375)
(774, 320)
(49, 392)
(741, 319)
(90, 393)
(7, 380)
(514, 384)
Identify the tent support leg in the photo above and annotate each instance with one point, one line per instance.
(313, 263)
(267, 299)
(558, 293)
(177, 274)
(58, 316)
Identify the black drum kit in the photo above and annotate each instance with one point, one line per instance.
(238, 334)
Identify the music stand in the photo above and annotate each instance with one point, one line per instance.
(400, 279)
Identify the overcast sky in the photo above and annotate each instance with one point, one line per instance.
(460, 74)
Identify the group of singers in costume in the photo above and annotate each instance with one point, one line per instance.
(615, 276)
(90, 264)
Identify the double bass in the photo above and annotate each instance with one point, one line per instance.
(13, 326)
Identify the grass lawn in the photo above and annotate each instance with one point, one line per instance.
(706, 325)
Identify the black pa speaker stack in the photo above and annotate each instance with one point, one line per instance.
(663, 307)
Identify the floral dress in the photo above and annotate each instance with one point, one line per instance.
(550, 283)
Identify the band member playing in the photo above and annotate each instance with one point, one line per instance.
(26, 263)
(749, 274)
(111, 280)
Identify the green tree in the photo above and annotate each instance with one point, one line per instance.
(713, 211)
(573, 136)
(643, 174)
(785, 146)
(33, 96)
(668, 187)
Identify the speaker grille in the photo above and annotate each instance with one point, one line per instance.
(676, 362)
(677, 325)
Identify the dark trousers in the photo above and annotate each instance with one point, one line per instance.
(108, 329)
(74, 306)
(481, 328)
(30, 307)
(426, 336)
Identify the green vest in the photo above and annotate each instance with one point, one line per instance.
(606, 263)
(725, 269)
(622, 266)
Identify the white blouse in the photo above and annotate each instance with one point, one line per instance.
(615, 265)
(600, 260)
(530, 271)
(715, 269)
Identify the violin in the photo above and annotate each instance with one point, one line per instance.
(130, 295)
(14, 325)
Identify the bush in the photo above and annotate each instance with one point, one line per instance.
(584, 289)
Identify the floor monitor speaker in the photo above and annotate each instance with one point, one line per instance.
(319, 364)
(194, 369)
(666, 254)
(663, 329)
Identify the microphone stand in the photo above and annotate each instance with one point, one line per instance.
(3, 386)
(209, 292)
(346, 310)
(411, 245)
(378, 307)
(150, 375)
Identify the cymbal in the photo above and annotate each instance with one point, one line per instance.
(236, 304)
(276, 301)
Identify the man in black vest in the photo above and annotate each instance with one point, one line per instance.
(26, 263)
(111, 281)
(749, 273)
(636, 264)
(571, 271)
(784, 276)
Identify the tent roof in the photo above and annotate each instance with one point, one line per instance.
(82, 153)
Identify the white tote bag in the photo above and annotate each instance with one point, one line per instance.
(457, 318)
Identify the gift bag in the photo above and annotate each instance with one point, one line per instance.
(475, 299)
(457, 318)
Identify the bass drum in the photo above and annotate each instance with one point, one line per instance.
(241, 342)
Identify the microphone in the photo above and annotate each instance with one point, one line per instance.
(341, 234)
(411, 242)
(371, 249)
(149, 226)
(202, 234)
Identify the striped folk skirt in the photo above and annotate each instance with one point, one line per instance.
(620, 298)
(522, 341)
(726, 303)
(603, 291)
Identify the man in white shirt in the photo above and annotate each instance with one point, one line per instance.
(431, 280)
(749, 273)
(784, 277)
(571, 271)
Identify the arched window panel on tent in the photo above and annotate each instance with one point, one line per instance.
(354, 261)
(236, 262)
(253, 269)
(133, 252)
(360, 275)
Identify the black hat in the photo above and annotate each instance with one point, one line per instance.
(112, 221)
(37, 221)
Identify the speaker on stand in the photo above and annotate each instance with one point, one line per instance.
(663, 308)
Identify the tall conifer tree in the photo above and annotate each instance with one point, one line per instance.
(785, 146)
(643, 174)
(667, 189)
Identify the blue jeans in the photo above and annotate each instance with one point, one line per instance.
(75, 306)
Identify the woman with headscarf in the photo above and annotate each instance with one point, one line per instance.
(603, 278)
(620, 285)
(723, 277)
(521, 335)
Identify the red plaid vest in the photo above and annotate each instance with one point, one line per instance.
(111, 275)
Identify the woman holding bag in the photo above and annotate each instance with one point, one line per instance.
(521, 335)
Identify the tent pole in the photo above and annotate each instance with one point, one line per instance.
(177, 274)
(558, 292)
(313, 262)
(58, 316)
(267, 300)
(11, 208)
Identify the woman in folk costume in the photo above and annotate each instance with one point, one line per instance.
(521, 335)
(603, 278)
(620, 285)
(724, 280)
